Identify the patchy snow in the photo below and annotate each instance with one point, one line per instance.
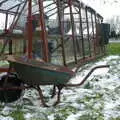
(5, 118)
(98, 98)
(3, 62)
(28, 116)
(6, 110)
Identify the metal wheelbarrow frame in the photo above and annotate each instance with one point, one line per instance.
(35, 73)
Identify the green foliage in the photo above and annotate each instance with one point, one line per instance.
(114, 49)
(88, 86)
(17, 115)
(63, 113)
(118, 118)
(90, 117)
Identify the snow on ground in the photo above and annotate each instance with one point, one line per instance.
(97, 99)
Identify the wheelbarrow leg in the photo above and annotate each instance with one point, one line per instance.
(59, 93)
(41, 96)
(54, 91)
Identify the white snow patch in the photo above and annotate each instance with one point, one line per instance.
(5, 118)
(72, 117)
(112, 57)
(101, 71)
(101, 94)
(6, 110)
(28, 116)
(51, 117)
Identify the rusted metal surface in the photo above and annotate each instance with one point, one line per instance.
(88, 33)
(30, 28)
(6, 21)
(70, 42)
(18, 17)
(42, 97)
(44, 34)
(86, 77)
(81, 30)
(40, 73)
(79, 40)
(9, 12)
(93, 30)
(73, 30)
(61, 30)
(3, 69)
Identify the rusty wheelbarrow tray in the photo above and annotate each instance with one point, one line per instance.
(34, 74)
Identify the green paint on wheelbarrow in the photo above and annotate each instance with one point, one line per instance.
(39, 73)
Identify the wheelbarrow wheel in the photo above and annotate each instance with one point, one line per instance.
(10, 95)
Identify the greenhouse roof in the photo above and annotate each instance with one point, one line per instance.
(11, 6)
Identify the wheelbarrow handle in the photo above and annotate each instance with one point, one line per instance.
(86, 77)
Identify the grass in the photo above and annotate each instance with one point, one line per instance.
(114, 49)
(17, 115)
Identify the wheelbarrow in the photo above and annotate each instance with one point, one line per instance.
(36, 73)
